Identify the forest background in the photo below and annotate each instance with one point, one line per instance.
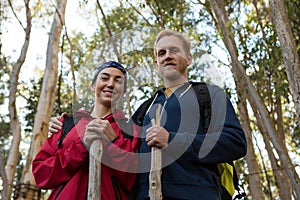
(250, 48)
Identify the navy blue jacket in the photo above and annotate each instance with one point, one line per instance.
(190, 160)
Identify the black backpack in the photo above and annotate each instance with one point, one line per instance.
(203, 97)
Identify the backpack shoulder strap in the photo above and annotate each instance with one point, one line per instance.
(68, 124)
(138, 116)
(204, 100)
(126, 127)
(203, 97)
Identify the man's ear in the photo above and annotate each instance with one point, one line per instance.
(155, 62)
(189, 59)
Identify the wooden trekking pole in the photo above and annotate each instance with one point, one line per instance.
(155, 192)
(96, 151)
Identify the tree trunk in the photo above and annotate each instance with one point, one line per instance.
(282, 183)
(228, 38)
(255, 184)
(47, 97)
(3, 176)
(289, 51)
(15, 126)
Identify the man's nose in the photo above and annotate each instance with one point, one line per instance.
(169, 54)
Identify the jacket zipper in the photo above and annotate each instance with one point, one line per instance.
(59, 191)
(116, 187)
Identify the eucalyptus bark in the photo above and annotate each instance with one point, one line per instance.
(228, 38)
(282, 180)
(290, 55)
(13, 156)
(47, 97)
(255, 185)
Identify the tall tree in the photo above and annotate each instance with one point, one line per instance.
(130, 22)
(14, 119)
(289, 52)
(46, 100)
(228, 38)
(255, 185)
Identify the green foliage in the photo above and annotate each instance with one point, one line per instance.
(4, 132)
(33, 89)
(5, 71)
(64, 99)
(134, 25)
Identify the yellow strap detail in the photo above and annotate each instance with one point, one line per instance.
(226, 171)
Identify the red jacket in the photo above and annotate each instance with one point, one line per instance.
(65, 169)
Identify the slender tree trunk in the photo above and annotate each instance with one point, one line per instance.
(47, 97)
(268, 189)
(15, 126)
(3, 176)
(228, 38)
(283, 184)
(290, 55)
(255, 184)
(282, 181)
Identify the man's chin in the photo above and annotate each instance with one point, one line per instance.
(172, 75)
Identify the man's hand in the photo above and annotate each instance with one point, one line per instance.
(157, 136)
(55, 125)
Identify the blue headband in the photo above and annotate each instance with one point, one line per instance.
(112, 64)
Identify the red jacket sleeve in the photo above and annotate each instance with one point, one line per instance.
(120, 155)
(53, 166)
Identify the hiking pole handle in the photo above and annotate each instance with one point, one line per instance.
(95, 154)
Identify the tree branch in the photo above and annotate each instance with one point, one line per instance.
(109, 32)
(12, 9)
(146, 20)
